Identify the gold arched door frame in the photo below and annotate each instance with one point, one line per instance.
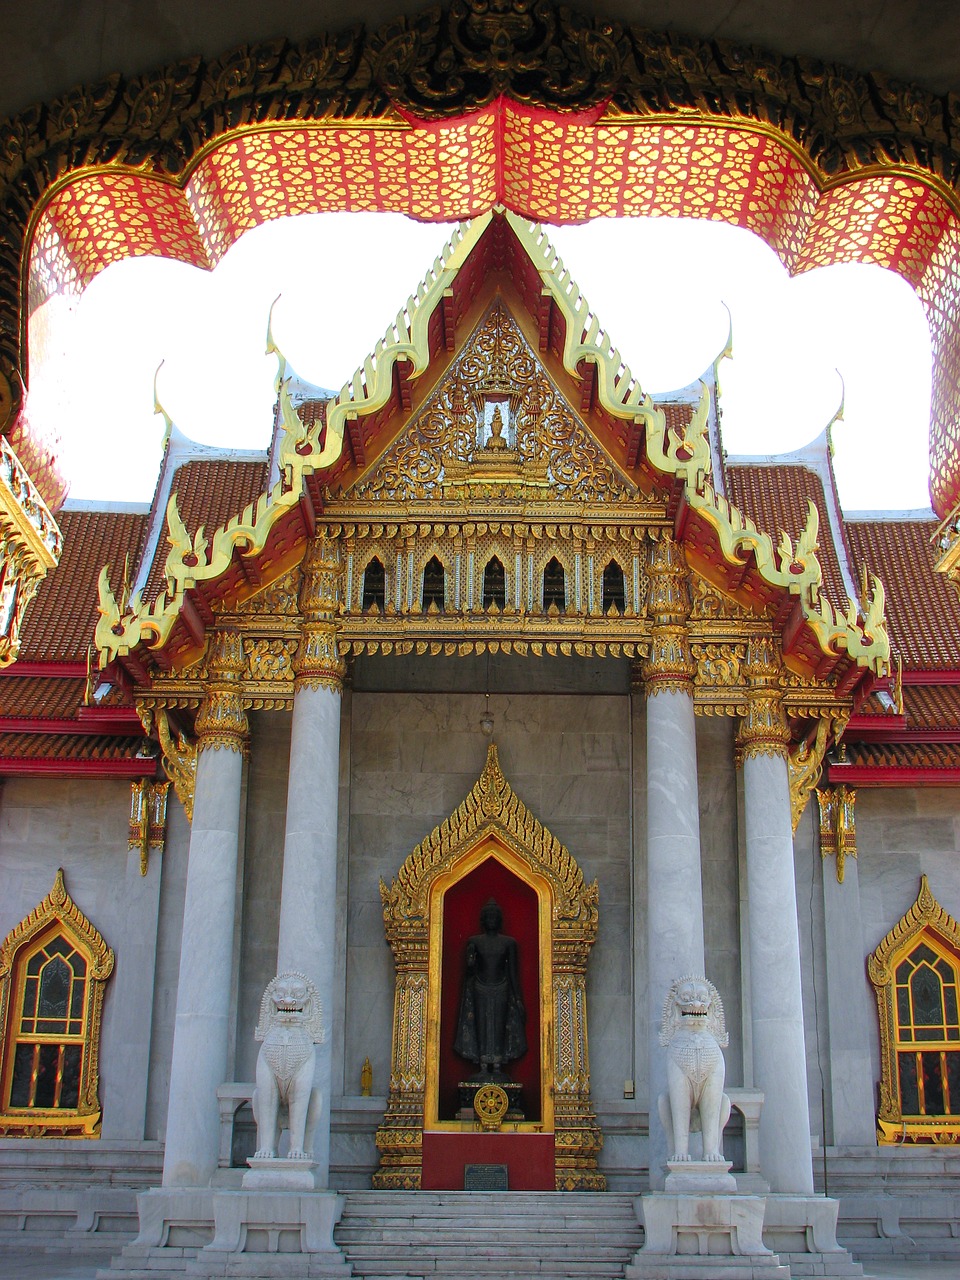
(492, 818)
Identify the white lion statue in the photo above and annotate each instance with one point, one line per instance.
(693, 1032)
(285, 1097)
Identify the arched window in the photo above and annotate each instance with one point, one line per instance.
(53, 967)
(614, 595)
(554, 586)
(433, 585)
(494, 585)
(374, 586)
(916, 973)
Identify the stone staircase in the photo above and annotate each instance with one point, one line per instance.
(409, 1235)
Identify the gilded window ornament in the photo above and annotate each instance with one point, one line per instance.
(53, 969)
(915, 972)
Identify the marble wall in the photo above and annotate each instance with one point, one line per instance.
(415, 758)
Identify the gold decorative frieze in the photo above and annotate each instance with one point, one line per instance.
(30, 545)
(49, 1057)
(491, 821)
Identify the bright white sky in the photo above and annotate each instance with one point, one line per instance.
(658, 286)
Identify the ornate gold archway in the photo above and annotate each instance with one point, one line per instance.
(587, 114)
(491, 816)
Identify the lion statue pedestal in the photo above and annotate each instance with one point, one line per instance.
(699, 1225)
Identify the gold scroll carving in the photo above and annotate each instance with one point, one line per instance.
(491, 812)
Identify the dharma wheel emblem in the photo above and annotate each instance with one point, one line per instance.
(490, 1103)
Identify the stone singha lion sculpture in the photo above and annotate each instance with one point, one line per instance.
(285, 1097)
(693, 1032)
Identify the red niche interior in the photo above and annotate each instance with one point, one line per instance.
(461, 920)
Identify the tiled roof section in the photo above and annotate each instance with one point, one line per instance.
(208, 494)
(929, 706)
(904, 755)
(923, 614)
(59, 623)
(775, 498)
(44, 697)
(66, 746)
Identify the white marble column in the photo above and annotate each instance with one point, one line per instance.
(779, 1054)
(674, 907)
(201, 1030)
(849, 1000)
(308, 896)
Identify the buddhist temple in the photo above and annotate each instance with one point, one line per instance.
(449, 735)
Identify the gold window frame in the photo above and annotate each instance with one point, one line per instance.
(925, 921)
(56, 915)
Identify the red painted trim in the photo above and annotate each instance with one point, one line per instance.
(931, 677)
(132, 768)
(55, 670)
(893, 735)
(859, 775)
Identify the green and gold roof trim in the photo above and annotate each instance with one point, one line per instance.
(679, 458)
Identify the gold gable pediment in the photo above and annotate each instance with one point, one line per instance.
(495, 428)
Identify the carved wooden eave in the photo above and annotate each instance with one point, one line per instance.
(30, 546)
(499, 254)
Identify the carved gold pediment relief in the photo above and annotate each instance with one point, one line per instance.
(454, 449)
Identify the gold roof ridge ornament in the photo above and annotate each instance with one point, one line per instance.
(675, 455)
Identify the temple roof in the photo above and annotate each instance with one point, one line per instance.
(923, 614)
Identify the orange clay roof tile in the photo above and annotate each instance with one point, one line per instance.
(923, 615)
(775, 498)
(208, 494)
(44, 697)
(66, 746)
(932, 706)
(904, 755)
(59, 624)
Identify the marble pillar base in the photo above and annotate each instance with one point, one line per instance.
(249, 1233)
(700, 1177)
(280, 1174)
(739, 1237)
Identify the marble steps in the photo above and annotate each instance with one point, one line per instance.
(804, 1265)
(508, 1236)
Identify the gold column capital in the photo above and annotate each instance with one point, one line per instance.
(318, 664)
(222, 720)
(669, 666)
(763, 730)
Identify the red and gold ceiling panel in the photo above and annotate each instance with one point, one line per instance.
(547, 166)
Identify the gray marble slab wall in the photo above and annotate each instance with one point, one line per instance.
(415, 756)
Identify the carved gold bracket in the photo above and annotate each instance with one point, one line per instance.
(148, 818)
(838, 827)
